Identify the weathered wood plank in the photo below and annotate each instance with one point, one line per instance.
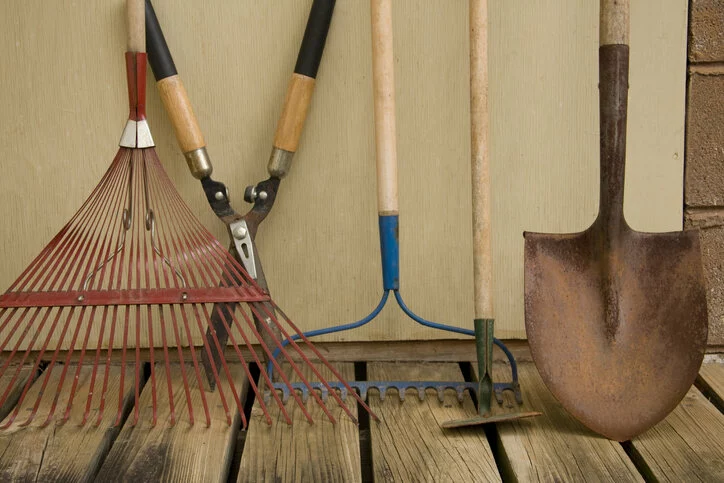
(554, 446)
(68, 452)
(15, 391)
(711, 377)
(302, 452)
(687, 446)
(409, 444)
(178, 452)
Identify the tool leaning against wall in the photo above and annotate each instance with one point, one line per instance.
(243, 228)
(630, 306)
(388, 213)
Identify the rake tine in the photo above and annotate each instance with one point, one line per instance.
(195, 360)
(261, 371)
(102, 405)
(166, 365)
(76, 378)
(152, 361)
(324, 361)
(48, 371)
(276, 365)
(137, 378)
(207, 347)
(95, 366)
(225, 366)
(244, 365)
(296, 368)
(189, 404)
(119, 415)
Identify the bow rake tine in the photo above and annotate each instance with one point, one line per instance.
(89, 400)
(321, 358)
(276, 365)
(195, 361)
(299, 372)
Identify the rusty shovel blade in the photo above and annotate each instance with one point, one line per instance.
(616, 319)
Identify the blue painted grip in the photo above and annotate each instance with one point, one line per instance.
(390, 248)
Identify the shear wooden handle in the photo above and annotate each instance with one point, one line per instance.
(614, 22)
(175, 99)
(300, 89)
(383, 78)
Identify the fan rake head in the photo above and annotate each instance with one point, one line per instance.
(134, 271)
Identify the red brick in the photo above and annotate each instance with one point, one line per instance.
(704, 179)
(712, 249)
(706, 31)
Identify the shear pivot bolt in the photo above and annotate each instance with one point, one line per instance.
(219, 196)
(239, 232)
(263, 195)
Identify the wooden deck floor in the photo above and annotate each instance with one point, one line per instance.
(407, 445)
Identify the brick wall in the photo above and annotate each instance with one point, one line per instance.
(704, 177)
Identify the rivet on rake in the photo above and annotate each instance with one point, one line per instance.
(81, 298)
(184, 296)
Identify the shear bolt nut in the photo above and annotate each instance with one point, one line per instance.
(239, 232)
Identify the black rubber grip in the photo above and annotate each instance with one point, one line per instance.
(315, 35)
(157, 50)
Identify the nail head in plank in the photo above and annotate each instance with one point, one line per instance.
(553, 446)
(409, 445)
(182, 452)
(303, 452)
(686, 446)
(68, 452)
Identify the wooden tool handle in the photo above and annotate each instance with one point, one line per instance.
(175, 99)
(136, 26)
(614, 22)
(383, 76)
(480, 160)
(301, 86)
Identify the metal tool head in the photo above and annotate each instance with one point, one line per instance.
(617, 323)
(488, 419)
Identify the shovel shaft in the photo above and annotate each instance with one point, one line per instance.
(613, 100)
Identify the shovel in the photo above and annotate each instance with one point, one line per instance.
(616, 319)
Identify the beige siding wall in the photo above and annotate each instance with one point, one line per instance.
(63, 99)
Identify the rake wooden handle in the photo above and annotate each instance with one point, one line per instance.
(614, 22)
(136, 26)
(383, 75)
(480, 160)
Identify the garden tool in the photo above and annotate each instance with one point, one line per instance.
(616, 318)
(133, 263)
(388, 211)
(484, 322)
(242, 228)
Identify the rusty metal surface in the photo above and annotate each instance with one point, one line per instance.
(616, 319)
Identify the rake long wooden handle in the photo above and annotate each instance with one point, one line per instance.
(383, 75)
(480, 160)
(614, 22)
(136, 26)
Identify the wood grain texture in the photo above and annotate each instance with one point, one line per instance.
(296, 105)
(68, 452)
(712, 377)
(14, 394)
(136, 25)
(614, 26)
(688, 445)
(383, 81)
(554, 446)
(181, 113)
(302, 452)
(409, 445)
(480, 161)
(180, 452)
(64, 112)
